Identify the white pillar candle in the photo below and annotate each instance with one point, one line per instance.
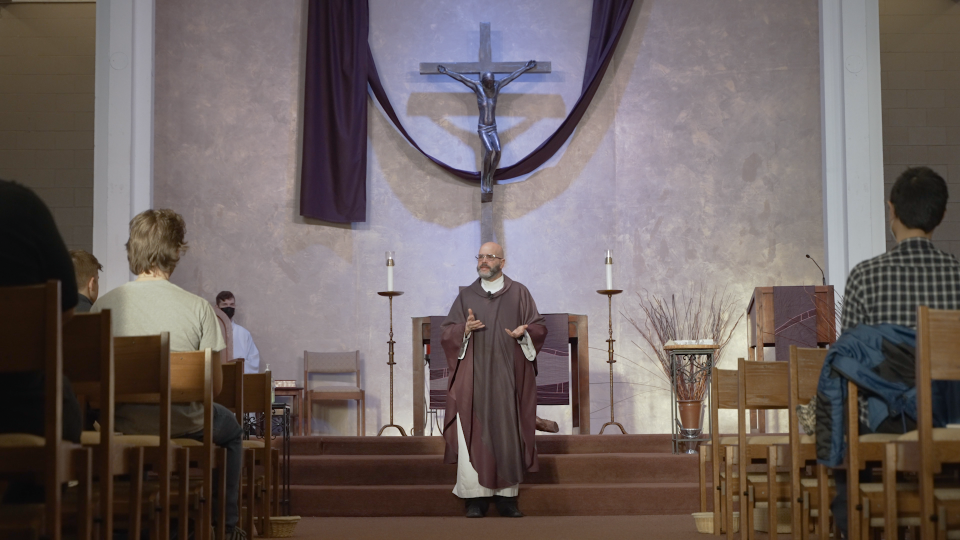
(608, 263)
(390, 271)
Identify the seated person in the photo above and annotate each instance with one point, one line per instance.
(33, 252)
(87, 269)
(151, 304)
(888, 288)
(243, 345)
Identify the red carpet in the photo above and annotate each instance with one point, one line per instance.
(580, 475)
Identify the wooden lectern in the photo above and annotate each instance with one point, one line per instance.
(779, 317)
(773, 311)
(579, 372)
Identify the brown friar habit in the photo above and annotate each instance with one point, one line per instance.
(493, 388)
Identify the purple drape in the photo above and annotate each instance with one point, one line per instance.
(333, 176)
(333, 188)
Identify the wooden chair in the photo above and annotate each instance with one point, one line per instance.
(762, 386)
(723, 395)
(231, 397)
(932, 507)
(30, 341)
(348, 362)
(863, 451)
(88, 363)
(191, 380)
(938, 340)
(226, 328)
(142, 375)
(257, 389)
(808, 500)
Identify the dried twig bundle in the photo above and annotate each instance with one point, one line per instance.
(693, 318)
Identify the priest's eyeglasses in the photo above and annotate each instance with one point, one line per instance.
(485, 256)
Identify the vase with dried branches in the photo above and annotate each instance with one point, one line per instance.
(702, 315)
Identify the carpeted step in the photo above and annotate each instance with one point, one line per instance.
(546, 444)
(611, 468)
(535, 500)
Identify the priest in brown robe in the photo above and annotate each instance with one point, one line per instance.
(491, 338)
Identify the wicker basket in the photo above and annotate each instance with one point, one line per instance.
(704, 521)
(280, 526)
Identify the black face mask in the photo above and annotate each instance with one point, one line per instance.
(229, 311)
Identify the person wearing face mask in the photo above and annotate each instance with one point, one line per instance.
(243, 345)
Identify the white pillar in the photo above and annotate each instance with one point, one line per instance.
(853, 209)
(123, 129)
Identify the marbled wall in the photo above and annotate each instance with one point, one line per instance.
(698, 163)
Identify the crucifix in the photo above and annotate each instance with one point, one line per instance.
(487, 90)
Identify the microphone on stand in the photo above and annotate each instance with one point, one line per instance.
(822, 275)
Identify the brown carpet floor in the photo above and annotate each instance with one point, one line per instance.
(493, 528)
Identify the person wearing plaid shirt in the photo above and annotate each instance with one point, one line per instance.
(888, 288)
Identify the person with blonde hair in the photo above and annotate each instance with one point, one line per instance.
(152, 304)
(87, 269)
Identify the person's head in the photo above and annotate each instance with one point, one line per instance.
(917, 202)
(87, 269)
(490, 261)
(156, 242)
(227, 303)
(487, 79)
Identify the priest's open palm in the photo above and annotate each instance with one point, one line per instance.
(518, 333)
(472, 322)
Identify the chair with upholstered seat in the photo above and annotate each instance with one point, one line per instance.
(330, 363)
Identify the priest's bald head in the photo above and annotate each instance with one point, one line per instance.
(490, 261)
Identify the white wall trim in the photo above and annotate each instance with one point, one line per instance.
(123, 129)
(851, 127)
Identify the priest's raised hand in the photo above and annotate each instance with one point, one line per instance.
(474, 324)
(518, 333)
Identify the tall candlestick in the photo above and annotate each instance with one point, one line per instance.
(608, 262)
(390, 270)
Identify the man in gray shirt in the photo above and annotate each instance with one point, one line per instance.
(152, 304)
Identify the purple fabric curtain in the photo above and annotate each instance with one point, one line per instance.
(334, 186)
(333, 177)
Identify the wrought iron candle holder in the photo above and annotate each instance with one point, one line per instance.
(391, 363)
(610, 341)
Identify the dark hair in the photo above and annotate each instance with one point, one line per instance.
(224, 295)
(919, 198)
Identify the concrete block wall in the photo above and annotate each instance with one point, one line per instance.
(46, 109)
(920, 85)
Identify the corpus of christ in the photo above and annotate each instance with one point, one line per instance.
(373, 269)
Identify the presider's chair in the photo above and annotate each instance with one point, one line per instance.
(330, 363)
